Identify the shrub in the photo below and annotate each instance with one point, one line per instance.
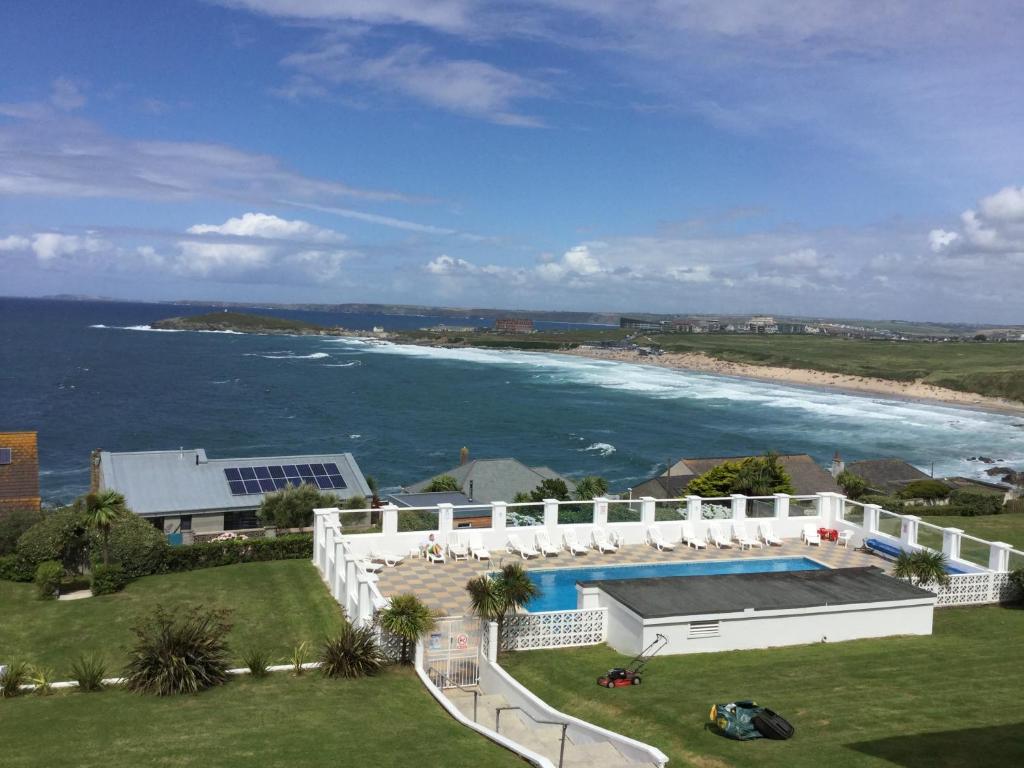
(976, 502)
(1017, 580)
(292, 507)
(47, 579)
(179, 655)
(408, 618)
(928, 489)
(135, 543)
(442, 483)
(13, 568)
(211, 554)
(756, 476)
(13, 524)
(853, 485)
(62, 536)
(107, 579)
(90, 672)
(17, 675)
(42, 679)
(353, 653)
(256, 660)
(299, 655)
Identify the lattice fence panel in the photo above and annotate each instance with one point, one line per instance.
(974, 589)
(555, 629)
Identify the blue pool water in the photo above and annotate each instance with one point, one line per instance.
(558, 586)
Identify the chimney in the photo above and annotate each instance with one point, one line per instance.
(463, 455)
(94, 471)
(838, 465)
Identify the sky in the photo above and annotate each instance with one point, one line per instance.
(800, 157)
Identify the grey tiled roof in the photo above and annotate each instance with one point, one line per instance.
(886, 475)
(495, 479)
(158, 483)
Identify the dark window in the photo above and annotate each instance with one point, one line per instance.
(158, 523)
(234, 521)
(186, 523)
(5, 455)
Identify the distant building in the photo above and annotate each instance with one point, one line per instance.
(637, 324)
(19, 471)
(886, 476)
(513, 325)
(443, 328)
(466, 514)
(182, 491)
(807, 477)
(487, 480)
(762, 324)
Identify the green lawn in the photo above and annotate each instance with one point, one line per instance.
(1008, 528)
(389, 720)
(945, 701)
(274, 605)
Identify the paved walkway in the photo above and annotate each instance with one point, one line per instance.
(443, 586)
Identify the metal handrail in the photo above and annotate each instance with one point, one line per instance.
(564, 726)
(476, 693)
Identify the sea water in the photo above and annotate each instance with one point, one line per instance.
(91, 375)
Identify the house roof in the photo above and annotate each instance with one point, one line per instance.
(807, 476)
(19, 479)
(886, 475)
(456, 498)
(187, 482)
(488, 480)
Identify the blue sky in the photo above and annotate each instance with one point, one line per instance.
(809, 157)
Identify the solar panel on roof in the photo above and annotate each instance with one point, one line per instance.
(324, 482)
(267, 485)
(261, 472)
(318, 469)
(337, 481)
(232, 474)
(237, 487)
(290, 470)
(280, 483)
(332, 469)
(304, 469)
(276, 471)
(252, 486)
(247, 473)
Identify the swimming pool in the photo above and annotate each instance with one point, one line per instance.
(558, 586)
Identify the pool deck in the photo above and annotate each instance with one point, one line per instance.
(443, 586)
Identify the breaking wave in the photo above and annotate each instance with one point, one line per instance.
(604, 449)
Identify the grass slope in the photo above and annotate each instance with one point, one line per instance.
(389, 720)
(944, 701)
(274, 606)
(1008, 528)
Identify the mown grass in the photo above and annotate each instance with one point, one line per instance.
(946, 701)
(274, 605)
(280, 720)
(1008, 528)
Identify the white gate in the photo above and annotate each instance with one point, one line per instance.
(451, 652)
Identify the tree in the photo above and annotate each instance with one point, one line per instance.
(717, 481)
(61, 536)
(853, 485)
(590, 487)
(754, 476)
(927, 489)
(292, 507)
(442, 483)
(407, 617)
(922, 567)
(102, 511)
(13, 524)
(550, 488)
(493, 597)
(371, 483)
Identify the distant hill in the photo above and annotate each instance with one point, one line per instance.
(243, 323)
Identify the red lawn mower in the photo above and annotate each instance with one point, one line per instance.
(630, 674)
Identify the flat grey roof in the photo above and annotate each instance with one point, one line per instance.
(736, 592)
(157, 483)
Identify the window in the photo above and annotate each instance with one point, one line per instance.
(5, 455)
(186, 523)
(241, 520)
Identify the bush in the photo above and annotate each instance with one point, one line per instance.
(90, 672)
(754, 476)
(17, 675)
(134, 543)
(13, 524)
(211, 554)
(442, 483)
(179, 655)
(256, 660)
(353, 653)
(13, 568)
(108, 579)
(42, 679)
(62, 536)
(47, 579)
(292, 507)
(928, 489)
(976, 502)
(1017, 580)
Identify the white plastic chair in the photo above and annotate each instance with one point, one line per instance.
(768, 535)
(657, 540)
(477, 548)
(691, 538)
(515, 546)
(718, 537)
(844, 538)
(602, 542)
(544, 544)
(810, 535)
(456, 548)
(570, 542)
(743, 537)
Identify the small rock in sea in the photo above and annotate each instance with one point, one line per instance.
(986, 460)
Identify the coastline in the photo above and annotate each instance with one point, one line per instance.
(915, 391)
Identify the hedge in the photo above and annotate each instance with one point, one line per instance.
(211, 554)
(13, 568)
(47, 579)
(107, 579)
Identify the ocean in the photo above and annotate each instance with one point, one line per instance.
(91, 375)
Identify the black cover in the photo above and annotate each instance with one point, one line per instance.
(772, 725)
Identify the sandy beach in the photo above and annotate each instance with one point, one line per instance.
(914, 391)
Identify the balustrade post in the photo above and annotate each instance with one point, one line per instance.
(739, 507)
(445, 521)
(951, 542)
(908, 531)
(647, 510)
(998, 556)
(693, 509)
(365, 607)
(319, 550)
(551, 518)
(338, 583)
(871, 517)
(600, 510)
(389, 520)
(830, 507)
(351, 585)
(499, 511)
(781, 505)
(492, 641)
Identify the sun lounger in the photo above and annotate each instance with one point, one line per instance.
(544, 544)
(743, 537)
(691, 538)
(457, 550)
(657, 540)
(810, 535)
(768, 535)
(515, 546)
(434, 557)
(718, 537)
(476, 547)
(570, 542)
(602, 541)
(389, 560)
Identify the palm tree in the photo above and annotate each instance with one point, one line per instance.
(492, 598)
(407, 617)
(590, 486)
(922, 567)
(102, 510)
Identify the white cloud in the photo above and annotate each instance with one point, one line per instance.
(14, 243)
(804, 257)
(1005, 205)
(444, 15)
(940, 239)
(50, 246)
(995, 229)
(264, 225)
(66, 95)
